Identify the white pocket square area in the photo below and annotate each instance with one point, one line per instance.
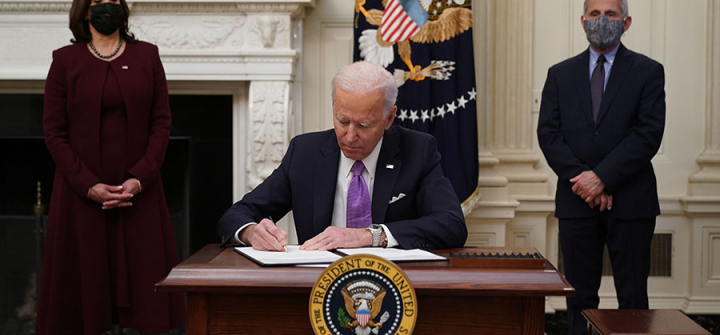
(397, 197)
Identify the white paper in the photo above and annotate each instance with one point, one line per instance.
(396, 255)
(320, 265)
(292, 257)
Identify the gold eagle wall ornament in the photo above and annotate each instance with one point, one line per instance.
(445, 20)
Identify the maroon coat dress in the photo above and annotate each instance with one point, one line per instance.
(107, 122)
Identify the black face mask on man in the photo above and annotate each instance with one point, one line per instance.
(602, 32)
(107, 17)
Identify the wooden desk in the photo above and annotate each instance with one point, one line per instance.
(229, 294)
(646, 322)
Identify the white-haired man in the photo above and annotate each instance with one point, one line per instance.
(602, 118)
(365, 183)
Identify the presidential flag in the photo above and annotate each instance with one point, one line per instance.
(427, 46)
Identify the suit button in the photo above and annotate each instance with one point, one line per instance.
(596, 133)
(597, 161)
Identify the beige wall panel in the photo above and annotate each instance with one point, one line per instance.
(328, 46)
(711, 243)
(551, 38)
(685, 86)
(527, 231)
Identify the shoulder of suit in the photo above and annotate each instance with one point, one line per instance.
(144, 47)
(570, 62)
(567, 62)
(315, 142)
(69, 48)
(69, 51)
(314, 136)
(406, 134)
(641, 58)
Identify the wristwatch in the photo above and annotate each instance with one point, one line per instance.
(376, 231)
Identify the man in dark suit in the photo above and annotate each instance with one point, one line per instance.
(601, 122)
(365, 183)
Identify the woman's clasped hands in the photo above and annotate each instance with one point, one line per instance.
(112, 196)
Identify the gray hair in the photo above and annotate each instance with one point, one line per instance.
(623, 8)
(363, 77)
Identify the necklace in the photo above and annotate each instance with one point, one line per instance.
(92, 46)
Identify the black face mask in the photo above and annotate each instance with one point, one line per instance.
(107, 17)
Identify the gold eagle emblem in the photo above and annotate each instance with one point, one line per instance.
(363, 301)
(446, 19)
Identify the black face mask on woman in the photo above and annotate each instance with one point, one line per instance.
(107, 17)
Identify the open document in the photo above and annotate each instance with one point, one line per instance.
(293, 256)
(396, 255)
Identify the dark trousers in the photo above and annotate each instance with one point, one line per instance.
(628, 242)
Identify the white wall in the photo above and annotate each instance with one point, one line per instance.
(327, 46)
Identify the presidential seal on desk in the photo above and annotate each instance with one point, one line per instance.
(361, 295)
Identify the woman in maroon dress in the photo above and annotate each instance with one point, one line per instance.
(109, 237)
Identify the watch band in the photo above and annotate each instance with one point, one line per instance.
(376, 231)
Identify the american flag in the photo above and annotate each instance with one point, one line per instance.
(400, 21)
(444, 104)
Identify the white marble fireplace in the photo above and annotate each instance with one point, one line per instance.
(247, 49)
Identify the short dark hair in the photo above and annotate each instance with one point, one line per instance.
(80, 26)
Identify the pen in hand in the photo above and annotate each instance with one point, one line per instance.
(273, 221)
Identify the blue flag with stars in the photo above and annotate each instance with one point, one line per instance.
(427, 46)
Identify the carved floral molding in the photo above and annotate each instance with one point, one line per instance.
(200, 33)
(268, 118)
(293, 8)
(29, 6)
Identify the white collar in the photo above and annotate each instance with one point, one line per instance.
(370, 161)
(609, 56)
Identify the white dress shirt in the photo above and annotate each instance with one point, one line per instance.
(609, 61)
(339, 216)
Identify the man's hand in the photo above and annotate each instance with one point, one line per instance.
(109, 196)
(336, 237)
(587, 186)
(265, 236)
(604, 200)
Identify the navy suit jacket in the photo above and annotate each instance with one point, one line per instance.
(428, 217)
(619, 146)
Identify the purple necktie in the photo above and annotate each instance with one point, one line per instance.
(358, 199)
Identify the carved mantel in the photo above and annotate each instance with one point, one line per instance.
(249, 49)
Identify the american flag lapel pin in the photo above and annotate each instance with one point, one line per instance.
(390, 166)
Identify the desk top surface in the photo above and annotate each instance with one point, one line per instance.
(631, 321)
(215, 269)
